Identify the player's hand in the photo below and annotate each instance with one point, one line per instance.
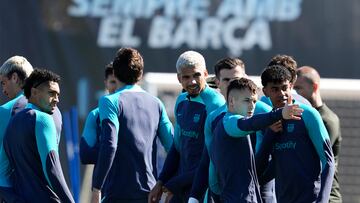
(95, 196)
(169, 196)
(276, 127)
(155, 193)
(292, 111)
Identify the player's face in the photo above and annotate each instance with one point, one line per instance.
(304, 88)
(226, 75)
(278, 93)
(242, 101)
(9, 86)
(111, 83)
(193, 80)
(47, 97)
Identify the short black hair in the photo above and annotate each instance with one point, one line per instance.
(38, 77)
(275, 74)
(227, 63)
(240, 84)
(109, 70)
(128, 65)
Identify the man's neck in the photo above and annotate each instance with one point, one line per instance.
(317, 102)
(122, 85)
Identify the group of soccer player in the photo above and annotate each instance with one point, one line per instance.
(243, 160)
(228, 144)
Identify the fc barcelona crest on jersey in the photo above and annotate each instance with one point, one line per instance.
(196, 118)
(290, 127)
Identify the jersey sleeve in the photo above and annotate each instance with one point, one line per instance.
(320, 139)
(239, 126)
(165, 130)
(263, 151)
(208, 130)
(108, 111)
(173, 157)
(46, 140)
(171, 165)
(89, 143)
(177, 183)
(260, 107)
(200, 183)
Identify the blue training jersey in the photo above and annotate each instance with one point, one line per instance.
(89, 142)
(34, 157)
(184, 156)
(267, 185)
(131, 120)
(206, 175)
(233, 157)
(303, 159)
(6, 111)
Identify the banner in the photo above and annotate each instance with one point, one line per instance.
(77, 38)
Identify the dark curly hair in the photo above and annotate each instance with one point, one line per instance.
(275, 74)
(128, 65)
(38, 77)
(240, 84)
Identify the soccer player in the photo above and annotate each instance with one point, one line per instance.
(131, 120)
(13, 73)
(226, 69)
(33, 148)
(308, 85)
(301, 149)
(231, 149)
(191, 110)
(89, 143)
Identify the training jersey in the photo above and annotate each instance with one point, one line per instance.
(232, 154)
(34, 158)
(131, 120)
(185, 154)
(303, 159)
(6, 111)
(89, 142)
(205, 175)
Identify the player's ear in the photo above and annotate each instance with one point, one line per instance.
(315, 86)
(15, 78)
(34, 92)
(206, 73)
